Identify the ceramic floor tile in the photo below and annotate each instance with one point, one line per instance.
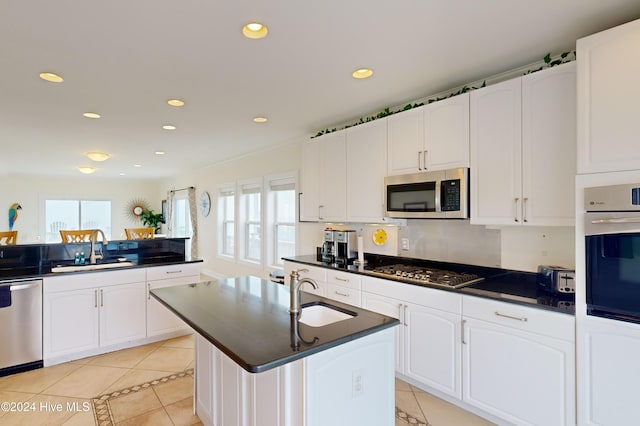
(443, 413)
(36, 381)
(83, 418)
(86, 382)
(9, 396)
(402, 386)
(126, 358)
(181, 412)
(136, 377)
(186, 342)
(406, 401)
(174, 390)
(157, 417)
(134, 404)
(167, 359)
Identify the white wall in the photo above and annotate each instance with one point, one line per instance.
(31, 192)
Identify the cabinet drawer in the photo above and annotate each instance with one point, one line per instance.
(344, 294)
(315, 273)
(92, 279)
(344, 279)
(547, 323)
(172, 271)
(438, 299)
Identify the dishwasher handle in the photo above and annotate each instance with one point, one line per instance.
(22, 286)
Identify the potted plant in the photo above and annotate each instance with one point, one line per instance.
(151, 219)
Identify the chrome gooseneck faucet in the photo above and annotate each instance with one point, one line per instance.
(94, 235)
(294, 288)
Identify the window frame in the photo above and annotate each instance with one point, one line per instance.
(108, 230)
(226, 192)
(246, 188)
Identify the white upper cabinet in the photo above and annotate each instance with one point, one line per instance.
(432, 137)
(324, 173)
(608, 93)
(523, 150)
(366, 169)
(446, 133)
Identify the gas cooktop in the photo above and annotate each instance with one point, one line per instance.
(422, 275)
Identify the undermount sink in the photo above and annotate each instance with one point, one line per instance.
(109, 264)
(319, 315)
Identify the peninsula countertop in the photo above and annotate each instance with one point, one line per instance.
(247, 318)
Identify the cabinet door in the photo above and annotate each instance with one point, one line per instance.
(70, 322)
(496, 132)
(123, 313)
(405, 142)
(446, 133)
(366, 160)
(608, 373)
(393, 308)
(524, 378)
(160, 320)
(608, 93)
(333, 177)
(310, 181)
(549, 146)
(433, 353)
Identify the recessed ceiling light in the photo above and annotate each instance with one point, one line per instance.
(260, 119)
(362, 73)
(123, 174)
(175, 102)
(51, 77)
(255, 30)
(169, 127)
(86, 170)
(160, 152)
(98, 156)
(91, 115)
(137, 165)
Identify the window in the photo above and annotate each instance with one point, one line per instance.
(251, 220)
(282, 217)
(180, 218)
(76, 214)
(226, 221)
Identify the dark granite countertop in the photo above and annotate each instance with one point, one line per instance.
(500, 284)
(247, 318)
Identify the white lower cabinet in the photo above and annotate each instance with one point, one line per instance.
(518, 362)
(608, 373)
(84, 312)
(428, 339)
(160, 320)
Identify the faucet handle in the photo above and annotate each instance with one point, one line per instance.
(296, 272)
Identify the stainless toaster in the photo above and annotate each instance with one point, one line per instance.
(556, 279)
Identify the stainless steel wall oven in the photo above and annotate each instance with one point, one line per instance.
(612, 244)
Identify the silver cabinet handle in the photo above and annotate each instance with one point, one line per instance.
(515, 205)
(95, 298)
(148, 291)
(179, 271)
(320, 207)
(101, 298)
(462, 323)
(406, 323)
(424, 159)
(523, 319)
(341, 279)
(524, 209)
(341, 294)
(419, 159)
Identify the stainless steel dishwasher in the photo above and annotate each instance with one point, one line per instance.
(20, 325)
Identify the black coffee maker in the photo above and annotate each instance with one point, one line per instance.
(346, 247)
(328, 251)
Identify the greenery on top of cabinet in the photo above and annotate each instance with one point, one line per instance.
(549, 62)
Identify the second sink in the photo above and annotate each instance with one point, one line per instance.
(319, 315)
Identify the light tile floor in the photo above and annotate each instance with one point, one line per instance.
(62, 394)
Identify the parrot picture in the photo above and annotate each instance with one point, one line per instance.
(13, 214)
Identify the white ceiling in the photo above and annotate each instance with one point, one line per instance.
(125, 58)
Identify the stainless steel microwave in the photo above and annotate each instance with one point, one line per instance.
(442, 194)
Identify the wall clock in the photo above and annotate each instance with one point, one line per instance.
(205, 204)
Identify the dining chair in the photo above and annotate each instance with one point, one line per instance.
(8, 238)
(139, 233)
(76, 236)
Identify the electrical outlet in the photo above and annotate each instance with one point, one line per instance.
(358, 383)
(404, 244)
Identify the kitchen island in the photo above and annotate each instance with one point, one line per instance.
(258, 365)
